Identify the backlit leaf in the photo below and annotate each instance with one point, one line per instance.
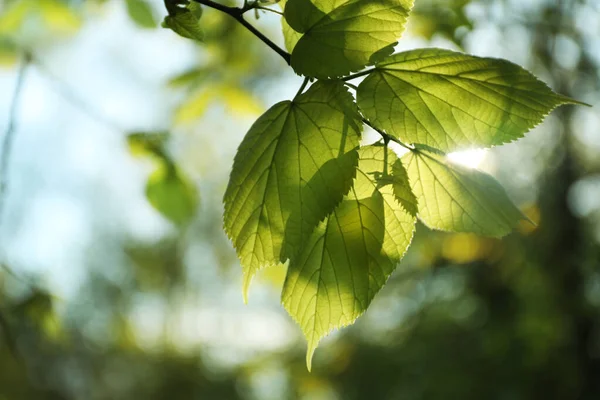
(450, 100)
(141, 13)
(170, 192)
(14, 15)
(148, 143)
(349, 256)
(185, 21)
(402, 189)
(292, 168)
(53, 14)
(345, 35)
(458, 199)
(290, 36)
(236, 99)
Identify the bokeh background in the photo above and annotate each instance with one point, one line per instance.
(117, 281)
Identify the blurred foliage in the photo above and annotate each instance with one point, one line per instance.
(447, 18)
(463, 317)
(141, 13)
(168, 189)
(25, 16)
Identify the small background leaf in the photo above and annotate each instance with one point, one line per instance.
(141, 13)
(185, 21)
(169, 191)
(54, 15)
(235, 98)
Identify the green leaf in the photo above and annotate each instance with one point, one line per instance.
(450, 100)
(195, 8)
(292, 168)
(343, 36)
(458, 199)
(170, 192)
(9, 52)
(402, 190)
(290, 36)
(141, 13)
(54, 15)
(148, 143)
(349, 256)
(185, 21)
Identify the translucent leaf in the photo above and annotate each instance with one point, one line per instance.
(147, 143)
(185, 21)
(192, 77)
(343, 36)
(9, 53)
(169, 192)
(237, 100)
(349, 256)
(450, 100)
(141, 13)
(457, 199)
(402, 189)
(54, 14)
(59, 17)
(290, 36)
(291, 169)
(14, 15)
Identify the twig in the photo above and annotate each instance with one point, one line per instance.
(387, 138)
(268, 9)
(351, 86)
(9, 135)
(238, 14)
(358, 74)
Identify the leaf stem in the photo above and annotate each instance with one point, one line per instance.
(385, 156)
(237, 14)
(358, 74)
(302, 87)
(268, 9)
(387, 138)
(351, 86)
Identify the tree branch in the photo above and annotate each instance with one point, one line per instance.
(237, 13)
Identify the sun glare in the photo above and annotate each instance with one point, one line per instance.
(468, 158)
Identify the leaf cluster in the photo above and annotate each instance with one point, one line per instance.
(305, 193)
